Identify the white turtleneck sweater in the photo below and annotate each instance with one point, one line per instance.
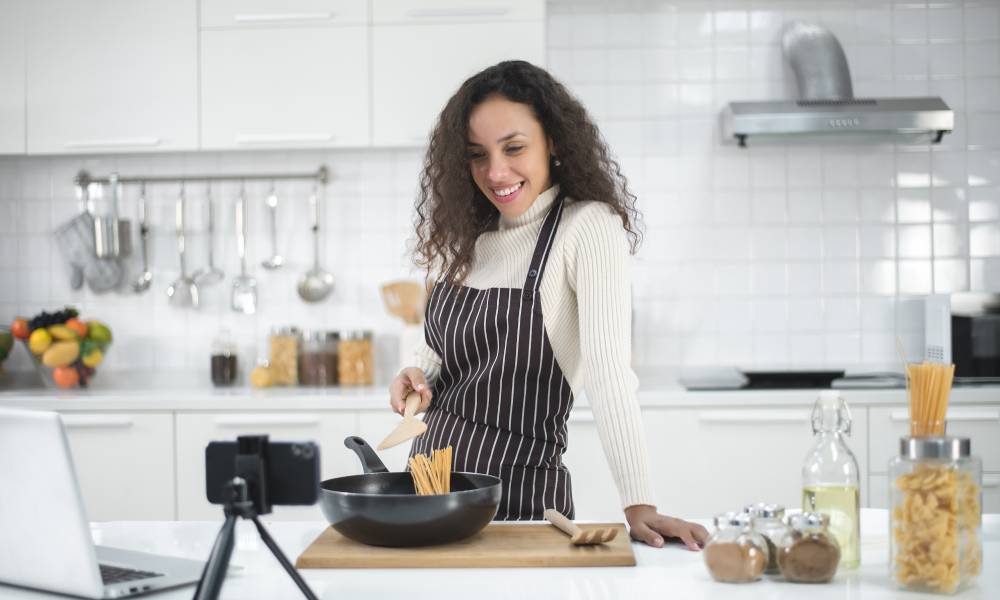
(586, 305)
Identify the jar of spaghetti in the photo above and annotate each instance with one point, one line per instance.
(284, 357)
(356, 358)
(936, 515)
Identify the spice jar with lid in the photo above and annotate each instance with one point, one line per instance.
(768, 522)
(224, 363)
(936, 514)
(808, 552)
(735, 553)
(284, 356)
(355, 358)
(318, 358)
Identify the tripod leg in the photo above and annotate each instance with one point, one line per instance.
(218, 562)
(276, 551)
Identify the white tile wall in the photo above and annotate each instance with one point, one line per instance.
(797, 255)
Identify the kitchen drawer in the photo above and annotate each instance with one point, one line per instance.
(595, 494)
(991, 492)
(124, 464)
(286, 13)
(455, 11)
(196, 430)
(981, 424)
(708, 461)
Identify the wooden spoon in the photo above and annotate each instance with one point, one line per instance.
(404, 299)
(580, 537)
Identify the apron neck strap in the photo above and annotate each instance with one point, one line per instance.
(544, 244)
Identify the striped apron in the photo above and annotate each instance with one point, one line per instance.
(501, 400)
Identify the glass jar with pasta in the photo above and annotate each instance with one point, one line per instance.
(284, 356)
(356, 358)
(936, 519)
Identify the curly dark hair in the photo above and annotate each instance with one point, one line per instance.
(451, 209)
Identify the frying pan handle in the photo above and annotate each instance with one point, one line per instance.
(370, 461)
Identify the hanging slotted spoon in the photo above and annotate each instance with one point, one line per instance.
(211, 274)
(275, 260)
(244, 298)
(183, 292)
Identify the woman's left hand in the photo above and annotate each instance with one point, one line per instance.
(649, 526)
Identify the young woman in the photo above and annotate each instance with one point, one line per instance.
(526, 222)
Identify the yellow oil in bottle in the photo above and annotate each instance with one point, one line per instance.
(843, 504)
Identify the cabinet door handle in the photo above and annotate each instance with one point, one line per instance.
(581, 416)
(753, 416)
(280, 139)
(141, 142)
(952, 415)
(283, 17)
(991, 481)
(96, 421)
(273, 420)
(431, 13)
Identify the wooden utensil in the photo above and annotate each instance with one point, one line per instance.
(580, 537)
(411, 426)
(404, 299)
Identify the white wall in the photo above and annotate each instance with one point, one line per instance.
(799, 255)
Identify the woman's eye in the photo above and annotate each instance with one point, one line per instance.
(514, 149)
(474, 155)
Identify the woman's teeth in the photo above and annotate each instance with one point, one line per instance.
(508, 191)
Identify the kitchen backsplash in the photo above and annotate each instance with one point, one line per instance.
(795, 255)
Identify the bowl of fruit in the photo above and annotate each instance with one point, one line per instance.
(65, 349)
(6, 345)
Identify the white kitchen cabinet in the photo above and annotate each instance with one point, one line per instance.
(455, 11)
(283, 13)
(111, 76)
(195, 430)
(12, 59)
(595, 495)
(991, 492)
(706, 461)
(981, 424)
(417, 67)
(124, 464)
(284, 88)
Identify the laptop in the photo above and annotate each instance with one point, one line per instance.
(45, 541)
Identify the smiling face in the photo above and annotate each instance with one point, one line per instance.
(508, 154)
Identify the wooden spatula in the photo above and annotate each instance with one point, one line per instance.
(580, 537)
(411, 426)
(404, 299)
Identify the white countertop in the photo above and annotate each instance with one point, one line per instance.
(192, 391)
(671, 572)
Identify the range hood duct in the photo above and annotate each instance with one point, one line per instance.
(826, 103)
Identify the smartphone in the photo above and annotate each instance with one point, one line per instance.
(292, 472)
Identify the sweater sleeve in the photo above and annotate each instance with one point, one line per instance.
(427, 360)
(600, 274)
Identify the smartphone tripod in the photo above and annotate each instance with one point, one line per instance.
(247, 499)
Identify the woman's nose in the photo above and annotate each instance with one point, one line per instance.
(497, 170)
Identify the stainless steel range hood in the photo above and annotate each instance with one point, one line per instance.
(827, 105)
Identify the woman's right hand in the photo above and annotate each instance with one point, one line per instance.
(410, 379)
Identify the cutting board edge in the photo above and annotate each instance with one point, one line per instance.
(492, 564)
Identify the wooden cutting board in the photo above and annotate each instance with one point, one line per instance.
(497, 545)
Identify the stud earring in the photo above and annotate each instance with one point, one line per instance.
(558, 163)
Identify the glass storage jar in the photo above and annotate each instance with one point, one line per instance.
(936, 514)
(809, 551)
(318, 358)
(355, 358)
(224, 362)
(768, 522)
(735, 553)
(284, 357)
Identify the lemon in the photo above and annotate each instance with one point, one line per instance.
(93, 358)
(262, 377)
(39, 341)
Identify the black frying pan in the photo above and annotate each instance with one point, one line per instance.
(381, 508)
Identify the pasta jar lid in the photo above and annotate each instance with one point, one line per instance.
(915, 448)
(765, 510)
(356, 334)
(733, 519)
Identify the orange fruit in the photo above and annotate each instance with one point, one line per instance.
(78, 327)
(20, 329)
(66, 377)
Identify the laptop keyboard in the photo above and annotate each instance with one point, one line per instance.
(110, 574)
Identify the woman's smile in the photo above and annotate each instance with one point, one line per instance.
(508, 194)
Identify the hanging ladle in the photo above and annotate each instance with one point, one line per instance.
(244, 297)
(183, 291)
(316, 284)
(210, 274)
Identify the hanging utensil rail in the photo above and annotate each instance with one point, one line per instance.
(321, 175)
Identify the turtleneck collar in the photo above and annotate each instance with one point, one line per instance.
(535, 213)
